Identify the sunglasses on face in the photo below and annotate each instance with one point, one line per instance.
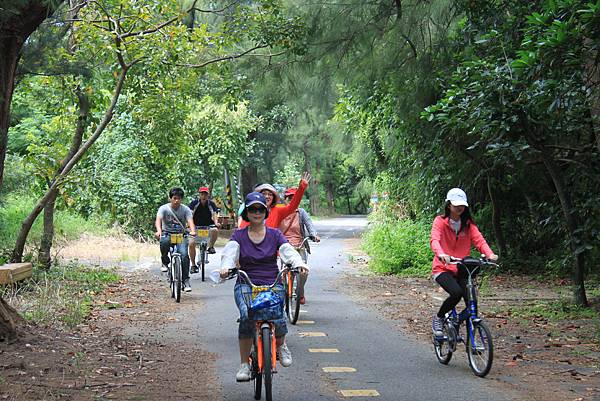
(256, 210)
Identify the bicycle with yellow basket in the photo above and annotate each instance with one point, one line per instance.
(202, 234)
(175, 269)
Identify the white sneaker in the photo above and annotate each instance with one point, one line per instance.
(186, 286)
(243, 375)
(164, 268)
(285, 356)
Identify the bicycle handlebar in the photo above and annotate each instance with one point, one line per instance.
(483, 261)
(471, 264)
(239, 272)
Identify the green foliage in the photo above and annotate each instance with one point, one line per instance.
(290, 175)
(553, 311)
(398, 246)
(68, 224)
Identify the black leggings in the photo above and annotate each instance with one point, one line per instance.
(456, 287)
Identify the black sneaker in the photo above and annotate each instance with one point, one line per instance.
(211, 250)
(194, 269)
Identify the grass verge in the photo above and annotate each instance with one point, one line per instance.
(15, 207)
(60, 297)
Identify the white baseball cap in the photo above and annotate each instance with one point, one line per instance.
(457, 197)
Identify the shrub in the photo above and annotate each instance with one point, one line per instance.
(399, 247)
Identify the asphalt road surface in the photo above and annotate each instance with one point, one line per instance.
(340, 349)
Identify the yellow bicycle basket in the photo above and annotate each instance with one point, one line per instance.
(176, 238)
(202, 233)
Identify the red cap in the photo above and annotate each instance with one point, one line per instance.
(204, 189)
(290, 191)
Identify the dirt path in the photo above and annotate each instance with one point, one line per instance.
(549, 359)
(137, 344)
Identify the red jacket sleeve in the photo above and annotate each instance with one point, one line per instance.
(436, 236)
(478, 240)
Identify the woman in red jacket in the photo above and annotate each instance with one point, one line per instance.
(452, 236)
(278, 213)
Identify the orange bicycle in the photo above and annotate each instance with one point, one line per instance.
(263, 355)
(293, 289)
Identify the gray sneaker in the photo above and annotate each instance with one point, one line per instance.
(186, 285)
(437, 326)
(243, 375)
(284, 355)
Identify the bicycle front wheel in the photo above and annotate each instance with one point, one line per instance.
(295, 298)
(480, 349)
(256, 375)
(444, 346)
(287, 287)
(176, 281)
(202, 259)
(267, 362)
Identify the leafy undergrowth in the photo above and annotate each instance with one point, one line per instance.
(62, 296)
(399, 247)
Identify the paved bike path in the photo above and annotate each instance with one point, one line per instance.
(386, 362)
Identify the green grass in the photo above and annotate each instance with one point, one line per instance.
(14, 208)
(554, 311)
(60, 297)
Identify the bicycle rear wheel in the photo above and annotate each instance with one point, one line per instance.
(295, 298)
(480, 349)
(202, 259)
(267, 362)
(176, 278)
(444, 347)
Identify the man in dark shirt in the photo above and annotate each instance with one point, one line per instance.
(205, 214)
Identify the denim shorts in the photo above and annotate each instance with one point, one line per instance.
(246, 326)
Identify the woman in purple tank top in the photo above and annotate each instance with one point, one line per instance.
(255, 249)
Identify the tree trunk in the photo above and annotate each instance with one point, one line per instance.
(330, 200)
(496, 219)
(8, 321)
(314, 191)
(44, 257)
(48, 234)
(571, 220)
(248, 174)
(17, 255)
(14, 31)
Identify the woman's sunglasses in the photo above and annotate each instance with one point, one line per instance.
(256, 210)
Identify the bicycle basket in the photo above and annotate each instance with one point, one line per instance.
(202, 232)
(176, 238)
(263, 303)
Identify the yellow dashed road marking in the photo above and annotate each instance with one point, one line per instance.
(324, 350)
(311, 334)
(359, 393)
(305, 322)
(338, 369)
